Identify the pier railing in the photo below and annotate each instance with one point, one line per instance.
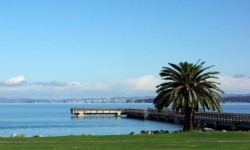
(224, 117)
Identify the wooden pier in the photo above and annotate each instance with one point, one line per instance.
(80, 112)
(232, 121)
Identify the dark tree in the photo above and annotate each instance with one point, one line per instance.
(187, 88)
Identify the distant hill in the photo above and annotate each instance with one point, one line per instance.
(237, 99)
(25, 100)
(228, 99)
(146, 99)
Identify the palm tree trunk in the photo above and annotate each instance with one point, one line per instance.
(189, 119)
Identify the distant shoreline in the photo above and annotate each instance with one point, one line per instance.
(97, 103)
(146, 99)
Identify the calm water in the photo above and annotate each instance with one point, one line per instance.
(55, 119)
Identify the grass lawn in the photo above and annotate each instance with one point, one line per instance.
(185, 141)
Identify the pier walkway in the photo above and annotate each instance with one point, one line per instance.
(81, 112)
(232, 121)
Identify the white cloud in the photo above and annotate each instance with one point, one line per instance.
(86, 86)
(11, 85)
(140, 86)
(144, 83)
(15, 80)
(235, 84)
(74, 83)
(53, 84)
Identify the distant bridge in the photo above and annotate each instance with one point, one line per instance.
(232, 121)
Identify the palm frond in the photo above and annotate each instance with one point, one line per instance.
(188, 85)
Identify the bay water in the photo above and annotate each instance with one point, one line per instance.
(56, 119)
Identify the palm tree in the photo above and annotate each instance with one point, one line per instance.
(188, 87)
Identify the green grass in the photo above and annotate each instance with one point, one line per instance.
(185, 141)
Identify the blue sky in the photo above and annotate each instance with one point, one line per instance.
(83, 48)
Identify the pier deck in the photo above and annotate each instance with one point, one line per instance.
(79, 112)
(233, 121)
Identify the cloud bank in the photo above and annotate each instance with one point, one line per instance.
(140, 86)
(238, 84)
